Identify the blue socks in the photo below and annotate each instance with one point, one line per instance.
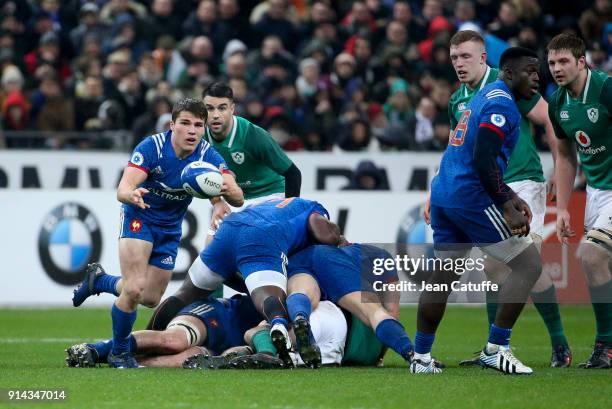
(499, 336)
(423, 342)
(392, 334)
(122, 329)
(298, 304)
(107, 284)
(279, 320)
(103, 348)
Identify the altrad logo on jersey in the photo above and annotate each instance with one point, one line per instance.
(69, 239)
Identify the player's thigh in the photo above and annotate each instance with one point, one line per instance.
(365, 306)
(134, 257)
(261, 261)
(534, 194)
(219, 255)
(306, 284)
(190, 321)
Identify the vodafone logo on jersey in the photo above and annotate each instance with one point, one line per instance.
(583, 139)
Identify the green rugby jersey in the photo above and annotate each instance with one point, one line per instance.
(588, 121)
(524, 163)
(254, 157)
(362, 347)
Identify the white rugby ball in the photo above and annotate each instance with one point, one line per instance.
(202, 180)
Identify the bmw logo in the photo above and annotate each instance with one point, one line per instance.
(69, 239)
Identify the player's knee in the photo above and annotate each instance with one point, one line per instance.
(134, 289)
(151, 300)
(596, 252)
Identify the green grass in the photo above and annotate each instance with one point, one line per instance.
(32, 356)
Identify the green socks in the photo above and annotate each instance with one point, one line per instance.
(601, 297)
(548, 307)
(262, 342)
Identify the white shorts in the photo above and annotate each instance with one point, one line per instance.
(534, 193)
(503, 251)
(329, 329)
(257, 200)
(598, 212)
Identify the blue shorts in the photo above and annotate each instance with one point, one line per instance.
(468, 226)
(226, 320)
(165, 239)
(340, 270)
(247, 249)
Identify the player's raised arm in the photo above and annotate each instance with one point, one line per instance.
(128, 191)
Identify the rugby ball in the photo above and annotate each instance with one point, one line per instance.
(202, 180)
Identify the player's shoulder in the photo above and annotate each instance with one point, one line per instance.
(152, 144)
(496, 92)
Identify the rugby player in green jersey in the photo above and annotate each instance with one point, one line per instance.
(523, 174)
(581, 112)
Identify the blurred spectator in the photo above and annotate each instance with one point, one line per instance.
(320, 13)
(439, 32)
(145, 124)
(232, 23)
(361, 48)
(398, 108)
(113, 8)
(506, 26)
(170, 60)
(593, 20)
(357, 136)
(464, 12)
(162, 21)
(86, 107)
(344, 70)
(367, 176)
(204, 22)
(163, 123)
(441, 131)
(116, 66)
(423, 130)
(15, 114)
(275, 22)
(359, 20)
(415, 26)
(47, 53)
(89, 24)
(148, 71)
(125, 35)
(440, 66)
(52, 112)
(131, 97)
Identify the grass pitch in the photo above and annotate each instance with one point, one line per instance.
(32, 346)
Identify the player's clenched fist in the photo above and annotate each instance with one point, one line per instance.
(516, 219)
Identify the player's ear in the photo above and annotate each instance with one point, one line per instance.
(483, 57)
(582, 62)
(172, 126)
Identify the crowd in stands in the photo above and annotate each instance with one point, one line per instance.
(319, 75)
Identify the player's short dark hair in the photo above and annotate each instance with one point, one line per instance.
(465, 36)
(513, 54)
(195, 106)
(218, 90)
(567, 41)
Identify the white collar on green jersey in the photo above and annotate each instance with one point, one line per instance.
(232, 134)
(585, 91)
(483, 82)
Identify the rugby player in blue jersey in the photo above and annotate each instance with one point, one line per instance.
(345, 276)
(257, 243)
(154, 205)
(472, 206)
